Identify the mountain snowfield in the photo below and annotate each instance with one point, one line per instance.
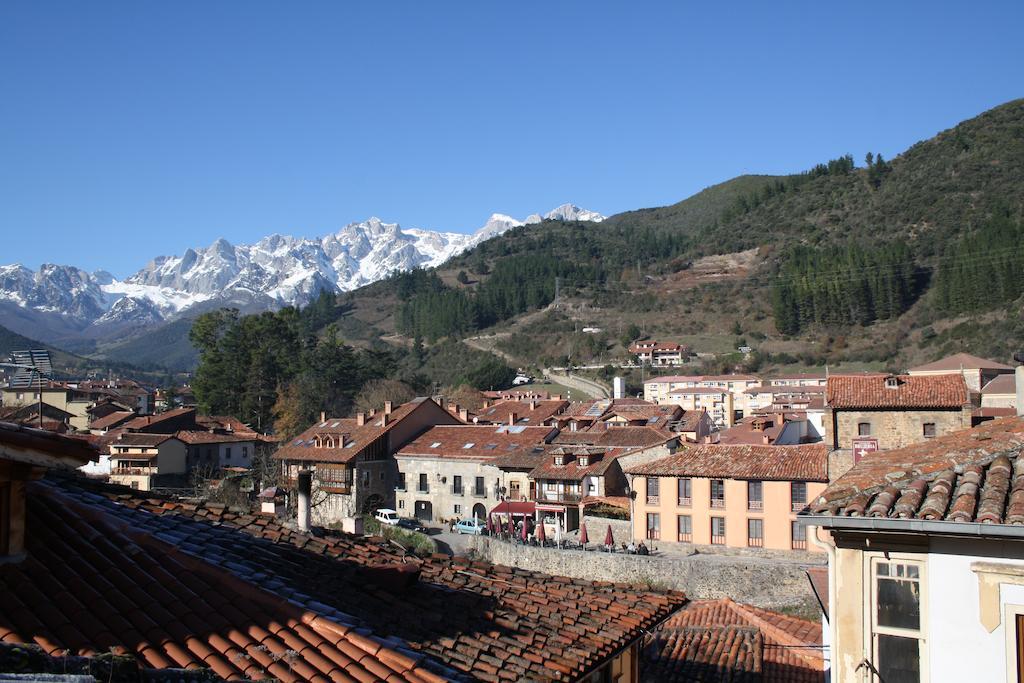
(279, 270)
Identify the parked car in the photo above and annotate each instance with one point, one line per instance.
(521, 379)
(411, 525)
(470, 526)
(387, 516)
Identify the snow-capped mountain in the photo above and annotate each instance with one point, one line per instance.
(278, 270)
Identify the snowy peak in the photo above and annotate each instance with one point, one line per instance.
(278, 270)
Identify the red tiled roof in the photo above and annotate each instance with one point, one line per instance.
(972, 475)
(143, 440)
(922, 391)
(153, 420)
(303, 446)
(541, 411)
(473, 618)
(664, 379)
(686, 391)
(92, 584)
(112, 420)
(475, 441)
(598, 462)
(807, 462)
(961, 360)
(993, 411)
(193, 437)
(718, 637)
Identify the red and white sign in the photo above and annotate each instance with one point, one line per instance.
(862, 447)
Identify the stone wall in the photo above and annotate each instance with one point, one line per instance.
(597, 527)
(898, 428)
(766, 583)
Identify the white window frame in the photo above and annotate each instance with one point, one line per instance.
(1010, 613)
(871, 561)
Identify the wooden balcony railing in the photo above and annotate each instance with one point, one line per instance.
(133, 471)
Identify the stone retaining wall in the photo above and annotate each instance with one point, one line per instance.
(762, 582)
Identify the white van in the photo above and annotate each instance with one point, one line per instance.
(387, 516)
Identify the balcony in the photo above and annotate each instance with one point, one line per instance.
(654, 534)
(799, 544)
(133, 471)
(559, 497)
(335, 487)
(798, 506)
(652, 500)
(479, 493)
(684, 502)
(717, 540)
(755, 505)
(685, 537)
(458, 490)
(755, 542)
(718, 503)
(423, 488)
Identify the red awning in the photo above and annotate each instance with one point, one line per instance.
(509, 507)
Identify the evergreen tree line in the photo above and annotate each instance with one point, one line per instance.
(256, 366)
(843, 286)
(431, 310)
(983, 270)
(747, 202)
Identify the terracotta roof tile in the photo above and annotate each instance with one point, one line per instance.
(461, 616)
(599, 460)
(726, 638)
(112, 420)
(973, 475)
(808, 462)
(150, 421)
(474, 442)
(873, 392)
(540, 411)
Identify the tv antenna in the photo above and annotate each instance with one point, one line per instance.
(30, 369)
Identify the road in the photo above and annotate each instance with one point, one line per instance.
(586, 386)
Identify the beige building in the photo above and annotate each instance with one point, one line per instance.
(977, 372)
(448, 471)
(724, 397)
(734, 496)
(352, 459)
(879, 412)
(146, 461)
(55, 394)
(926, 561)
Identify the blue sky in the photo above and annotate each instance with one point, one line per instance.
(134, 129)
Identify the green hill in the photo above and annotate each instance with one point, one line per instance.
(882, 261)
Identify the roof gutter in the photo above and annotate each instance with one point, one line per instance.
(917, 526)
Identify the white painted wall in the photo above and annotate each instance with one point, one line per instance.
(959, 647)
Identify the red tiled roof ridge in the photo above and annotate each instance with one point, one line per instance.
(371, 644)
(961, 360)
(913, 391)
(799, 462)
(813, 658)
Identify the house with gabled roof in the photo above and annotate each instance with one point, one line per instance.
(352, 459)
(977, 372)
(447, 472)
(926, 559)
(659, 353)
(742, 496)
(144, 461)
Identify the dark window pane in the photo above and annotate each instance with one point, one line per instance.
(899, 659)
(899, 603)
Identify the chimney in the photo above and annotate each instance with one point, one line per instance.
(323, 416)
(780, 419)
(360, 419)
(487, 404)
(384, 419)
(305, 481)
(372, 412)
(533, 405)
(1019, 379)
(387, 407)
(441, 401)
(512, 417)
(464, 415)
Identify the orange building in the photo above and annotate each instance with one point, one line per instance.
(743, 496)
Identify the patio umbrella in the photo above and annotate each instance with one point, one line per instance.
(583, 535)
(609, 540)
(541, 536)
(511, 525)
(526, 532)
(490, 525)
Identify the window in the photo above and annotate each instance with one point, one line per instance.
(799, 536)
(717, 494)
(245, 452)
(382, 475)
(559, 460)
(458, 509)
(401, 482)
(653, 526)
(929, 430)
(401, 504)
(653, 486)
(798, 495)
(896, 635)
(718, 530)
(366, 477)
(685, 523)
(478, 487)
(227, 452)
(755, 501)
(424, 486)
(457, 485)
(863, 429)
(755, 533)
(685, 493)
